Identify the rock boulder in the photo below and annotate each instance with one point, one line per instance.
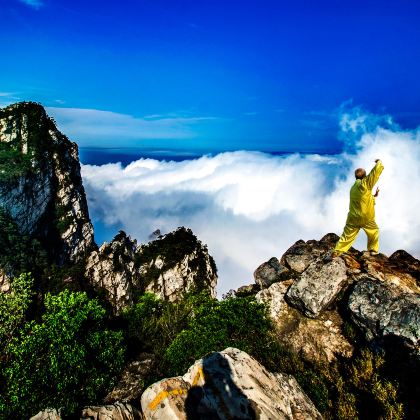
(317, 286)
(383, 309)
(317, 340)
(226, 385)
(117, 411)
(270, 272)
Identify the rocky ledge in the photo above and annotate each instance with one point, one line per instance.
(312, 299)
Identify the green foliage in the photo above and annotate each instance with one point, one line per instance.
(67, 359)
(13, 308)
(215, 325)
(18, 253)
(153, 324)
(13, 163)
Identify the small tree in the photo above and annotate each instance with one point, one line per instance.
(66, 360)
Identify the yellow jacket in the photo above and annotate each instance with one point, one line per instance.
(362, 203)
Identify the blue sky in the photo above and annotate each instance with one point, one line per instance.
(267, 75)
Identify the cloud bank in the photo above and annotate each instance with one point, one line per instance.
(250, 206)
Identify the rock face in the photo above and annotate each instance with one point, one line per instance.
(175, 264)
(317, 286)
(270, 272)
(384, 301)
(47, 414)
(40, 183)
(117, 411)
(132, 381)
(112, 269)
(168, 267)
(316, 340)
(226, 385)
(381, 309)
(298, 257)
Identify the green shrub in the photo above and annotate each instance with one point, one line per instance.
(13, 308)
(67, 359)
(215, 325)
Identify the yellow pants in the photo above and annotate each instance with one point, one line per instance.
(349, 236)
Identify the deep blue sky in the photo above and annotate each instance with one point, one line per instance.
(220, 74)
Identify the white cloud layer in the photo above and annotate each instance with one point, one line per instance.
(250, 206)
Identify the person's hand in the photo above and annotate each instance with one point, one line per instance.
(376, 192)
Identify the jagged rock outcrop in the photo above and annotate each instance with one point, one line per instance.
(270, 272)
(382, 309)
(47, 414)
(317, 340)
(383, 302)
(399, 269)
(132, 380)
(225, 385)
(112, 269)
(169, 267)
(117, 411)
(298, 257)
(317, 286)
(40, 183)
(175, 264)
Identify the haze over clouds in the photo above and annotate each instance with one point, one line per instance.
(250, 206)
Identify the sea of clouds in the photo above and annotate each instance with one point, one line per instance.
(249, 206)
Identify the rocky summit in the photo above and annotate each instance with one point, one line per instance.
(40, 183)
(133, 330)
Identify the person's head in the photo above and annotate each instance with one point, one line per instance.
(359, 173)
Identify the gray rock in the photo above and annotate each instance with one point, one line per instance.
(117, 411)
(383, 309)
(317, 340)
(301, 253)
(317, 286)
(47, 414)
(4, 282)
(47, 199)
(226, 385)
(400, 269)
(270, 272)
(132, 381)
(175, 264)
(112, 269)
(168, 267)
(248, 290)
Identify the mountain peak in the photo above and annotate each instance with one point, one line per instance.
(40, 183)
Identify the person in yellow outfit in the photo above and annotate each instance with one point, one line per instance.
(361, 211)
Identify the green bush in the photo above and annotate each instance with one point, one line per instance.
(215, 325)
(66, 360)
(13, 308)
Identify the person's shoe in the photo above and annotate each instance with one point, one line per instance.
(373, 253)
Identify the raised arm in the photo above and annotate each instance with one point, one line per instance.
(372, 178)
